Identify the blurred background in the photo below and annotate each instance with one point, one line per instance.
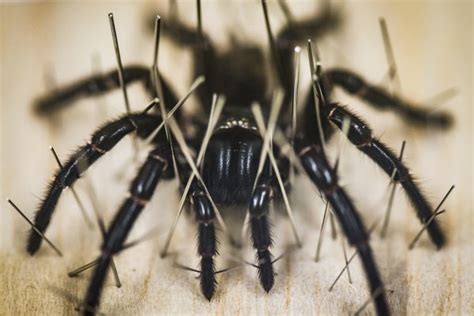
(44, 45)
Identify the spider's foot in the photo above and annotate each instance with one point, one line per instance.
(265, 270)
(437, 235)
(208, 279)
(440, 120)
(34, 243)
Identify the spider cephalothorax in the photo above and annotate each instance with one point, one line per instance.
(234, 170)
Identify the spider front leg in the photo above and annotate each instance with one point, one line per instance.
(141, 191)
(323, 176)
(360, 135)
(102, 141)
(383, 100)
(97, 85)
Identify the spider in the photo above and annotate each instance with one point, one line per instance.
(234, 170)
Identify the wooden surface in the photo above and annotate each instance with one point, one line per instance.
(433, 46)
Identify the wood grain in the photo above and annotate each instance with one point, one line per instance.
(433, 45)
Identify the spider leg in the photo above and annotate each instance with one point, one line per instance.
(323, 176)
(207, 242)
(360, 135)
(260, 228)
(182, 34)
(103, 140)
(97, 85)
(203, 50)
(309, 124)
(383, 100)
(141, 191)
(298, 31)
(314, 26)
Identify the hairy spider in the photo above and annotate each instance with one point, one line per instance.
(234, 170)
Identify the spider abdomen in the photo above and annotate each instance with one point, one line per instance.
(230, 165)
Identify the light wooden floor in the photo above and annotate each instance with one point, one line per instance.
(434, 50)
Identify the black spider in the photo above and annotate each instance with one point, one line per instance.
(230, 165)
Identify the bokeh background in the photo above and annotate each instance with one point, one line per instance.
(46, 44)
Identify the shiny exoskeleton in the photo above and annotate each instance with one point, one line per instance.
(229, 168)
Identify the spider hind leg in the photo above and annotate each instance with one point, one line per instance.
(90, 86)
(97, 85)
(295, 32)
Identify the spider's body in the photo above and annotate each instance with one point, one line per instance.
(241, 68)
(230, 165)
